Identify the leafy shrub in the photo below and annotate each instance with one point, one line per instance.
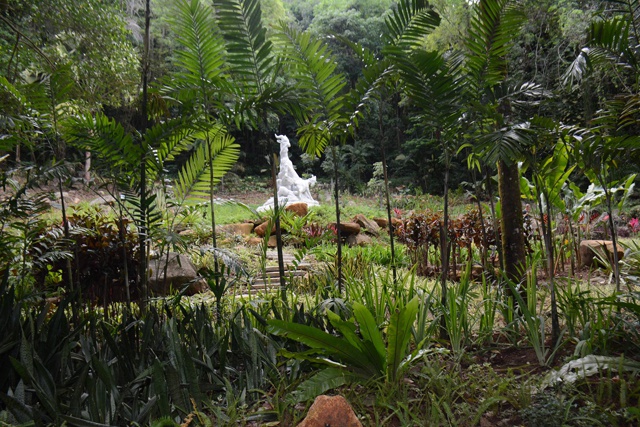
(421, 231)
(104, 249)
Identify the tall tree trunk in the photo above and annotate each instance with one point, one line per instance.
(513, 246)
(143, 163)
(494, 216)
(279, 244)
(444, 248)
(334, 152)
(386, 194)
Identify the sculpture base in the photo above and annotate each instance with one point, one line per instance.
(284, 202)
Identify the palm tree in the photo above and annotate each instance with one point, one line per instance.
(322, 117)
(491, 104)
(432, 83)
(255, 76)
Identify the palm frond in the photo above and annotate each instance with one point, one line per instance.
(49, 93)
(167, 139)
(16, 115)
(630, 114)
(313, 66)
(249, 52)
(506, 144)
(410, 23)
(374, 76)
(106, 137)
(430, 83)
(578, 68)
(610, 41)
(194, 179)
(491, 35)
(201, 53)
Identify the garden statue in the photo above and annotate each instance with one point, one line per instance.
(291, 188)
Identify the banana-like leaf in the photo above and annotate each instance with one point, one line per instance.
(398, 335)
(555, 173)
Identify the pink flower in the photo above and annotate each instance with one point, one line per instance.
(634, 224)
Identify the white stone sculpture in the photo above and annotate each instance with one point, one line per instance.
(291, 188)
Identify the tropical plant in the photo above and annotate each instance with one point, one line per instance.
(356, 358)
(491, 104)
(322, 118)
(550, 176)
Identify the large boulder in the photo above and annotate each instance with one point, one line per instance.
(347, 228)
(298, 208)
(242, 229)
(382, 222)
(370, 226)
(261, 229)
(358, 240)
(332, 411)
(180, 272)
(589, 249)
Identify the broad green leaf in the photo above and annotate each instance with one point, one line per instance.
(346, 328)
(341, 349)
(370, 331)
(398, 335)
(320, 383)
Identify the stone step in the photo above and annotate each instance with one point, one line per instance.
(273, 279)
(301, 266)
